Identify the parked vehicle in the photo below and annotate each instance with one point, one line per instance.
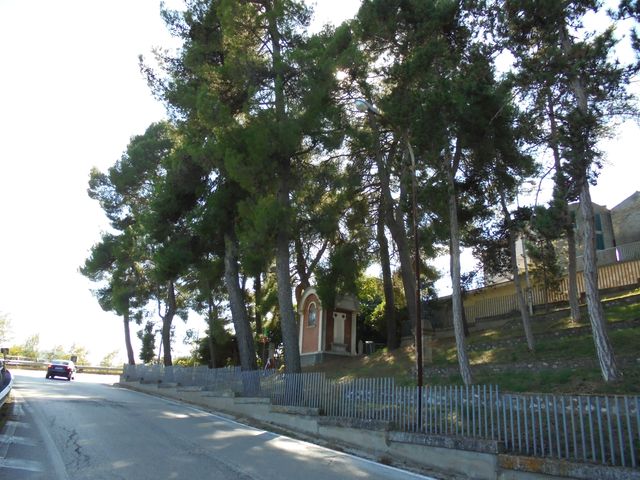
(61, 368)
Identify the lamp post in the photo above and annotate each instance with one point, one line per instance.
(364, 106)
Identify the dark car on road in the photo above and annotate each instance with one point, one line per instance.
(61, 368)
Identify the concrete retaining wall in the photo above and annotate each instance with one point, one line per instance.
(463, 458)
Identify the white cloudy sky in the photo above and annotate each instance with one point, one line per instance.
(71, 96)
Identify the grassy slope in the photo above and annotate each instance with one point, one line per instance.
(560, 364)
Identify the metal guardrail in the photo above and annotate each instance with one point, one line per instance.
(37, 364)
(6, 384)
(584, 428)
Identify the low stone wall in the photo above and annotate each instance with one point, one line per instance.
(445, 455)
(512, 467)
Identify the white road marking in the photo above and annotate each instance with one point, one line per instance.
(59, 471)
(18, 464)
(17, 440)
(17, 424)
(10, 430)
(9, 438)
(16, 408)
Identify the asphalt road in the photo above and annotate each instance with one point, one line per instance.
(88, 429)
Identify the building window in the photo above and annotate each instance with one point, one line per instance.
(312, 315)
(599, 232)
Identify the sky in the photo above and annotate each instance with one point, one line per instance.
(71, 97)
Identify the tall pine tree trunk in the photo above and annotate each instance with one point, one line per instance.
(167, 319)
(574, 303)
(246, 347)
(522, 304)
(257, 289)
(301, 268)
(288, 323)
(259, 325)
(212, 351)
(395, 223)
(399, 235)
(387, 284)
(211, 343)
(127, 338)
(287, 318)
(456, 294)
(561, 188)
(604, 349)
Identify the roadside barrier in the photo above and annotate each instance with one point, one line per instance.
(597, 429)
(42, 365)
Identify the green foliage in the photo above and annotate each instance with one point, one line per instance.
(340, 274)
(185, 361)
(147, 195)
(224, 348)
(542, 252)
(545, 222)
(263, 146)
(371, 321)
(116, 265)
(256, 232)
(58, 351)
(172, 258)
(398, 292)
(148, 338)
(79, 351)
(572, 73)
(109, 359)
(631, 9)
(492, 248)
(30, 348)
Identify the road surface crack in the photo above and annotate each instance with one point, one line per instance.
(79, 460)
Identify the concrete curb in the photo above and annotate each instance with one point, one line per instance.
(438, 455)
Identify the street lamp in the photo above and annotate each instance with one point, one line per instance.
(364, 106)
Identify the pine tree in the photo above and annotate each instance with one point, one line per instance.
(255, 91)
(436, 83)
(148, 339)
(554, 54)
(123, 289)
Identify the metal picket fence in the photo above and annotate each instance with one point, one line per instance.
(597, 429)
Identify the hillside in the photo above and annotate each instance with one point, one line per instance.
(564, 360)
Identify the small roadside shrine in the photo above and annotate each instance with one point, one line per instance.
(326, 332)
